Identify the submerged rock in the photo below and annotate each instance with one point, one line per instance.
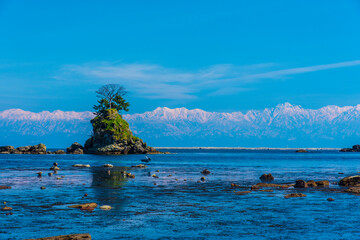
(293, 195)
(311, 183)
(84, 206)
(350, 181)
(6, 209)
(272, 185)
(242, 192)
(331, 199)
(301, 151)
(324, 183)
(4, 187)
(267, 177)
(353, 190)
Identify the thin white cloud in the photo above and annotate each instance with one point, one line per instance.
(157, 82)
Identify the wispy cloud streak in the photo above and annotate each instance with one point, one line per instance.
(157, 82)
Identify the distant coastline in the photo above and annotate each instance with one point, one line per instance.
(248, 148)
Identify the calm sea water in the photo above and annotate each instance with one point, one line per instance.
(169, 207)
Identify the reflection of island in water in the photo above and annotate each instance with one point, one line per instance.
(109, 177)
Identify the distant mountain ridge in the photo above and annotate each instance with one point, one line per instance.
(285, 125)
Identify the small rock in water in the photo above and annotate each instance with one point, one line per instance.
(6, 209)
(4, 187)
(300, 184)
(301, 151)
(84, 206)
(267, 177)
(323, 183)
(341, 173)
(154, 176)
(311, 183)
(62, 176)
(157, 171)
(55, 168)
(139, 166)
(85, 195)
(58, 178)
(330, 199)
(242, 192)
(205, 172)
(293, 195)
(50, 174)
(202, 179)
(108, 165)
(55, 164)
(81, 165)
(105, 207)
(42, 187)
(39, 174)
(233, 185)
(350, 181)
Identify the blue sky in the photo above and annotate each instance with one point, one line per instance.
(213, 55)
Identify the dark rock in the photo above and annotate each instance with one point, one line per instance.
(75, 148)
(353, 190)
(42, 188)
(24, 149)
(205, 172)
(5, 187)
(293, 195)
(202, 179)
(300, 184)
(350, 181)
(38, 149)
(301, 151)
(84, 236)
(6, 149)
(355, 148)
(331, 199)
(267, 177)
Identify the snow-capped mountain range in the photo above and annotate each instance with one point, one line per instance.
(285, 125)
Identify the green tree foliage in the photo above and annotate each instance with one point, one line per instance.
(111, 97)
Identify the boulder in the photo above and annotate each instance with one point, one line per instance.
(81, 165)
(6, 149)
(84, 236)
(59, 152)
(350, 181)
(205, 172)
(75, 148)
(38, 149)
(105, 207)
(300, 184)
(323, 183)
(311, 183)
(267, 177)
(293, 195)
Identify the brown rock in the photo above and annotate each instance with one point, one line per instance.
(350, 181)
(5, 187)
(205, 172)
(353, 190)
(330, 199)
(323, 183)
(233, 185)
(242, 192)
(293, 195)
(59, 152)
(311, 183)
(272, 185)
(84, 236)
(301, 151)
(84, 206)
(300, 184)
(267, 177)
(6, 209)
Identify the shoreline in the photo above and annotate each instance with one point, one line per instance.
(248, 148)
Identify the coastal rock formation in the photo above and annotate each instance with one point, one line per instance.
(36, 149)
(350, 181)
(112, 135)
(355, 148)
(75, 148)
(267, 177)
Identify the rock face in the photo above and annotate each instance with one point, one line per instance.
(350, 181)
(112, 135)
(75, 148)
(36, 149)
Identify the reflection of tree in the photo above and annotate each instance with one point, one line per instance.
(109, 177)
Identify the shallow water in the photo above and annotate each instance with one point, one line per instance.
(169, 207)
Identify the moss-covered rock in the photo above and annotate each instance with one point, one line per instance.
(112, 135)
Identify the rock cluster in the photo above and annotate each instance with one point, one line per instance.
(112, 135)
(75, 148)
(355, 148)
(35, 149)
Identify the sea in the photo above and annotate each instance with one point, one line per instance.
(177, 204)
